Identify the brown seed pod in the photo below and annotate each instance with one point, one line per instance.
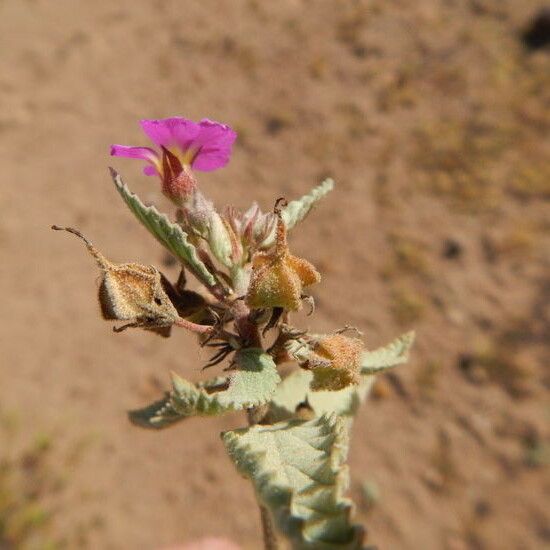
(335, 362)
(131, 292)
(278, 277)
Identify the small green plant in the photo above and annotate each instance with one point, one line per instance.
(294, 447)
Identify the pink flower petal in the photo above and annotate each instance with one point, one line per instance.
(213, 145)
(145, 153)
(150, 171)
(206, 145)
(171, 131)
(185, 132)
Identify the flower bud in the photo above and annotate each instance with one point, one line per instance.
(178, 181)
(196, 214)
(219, 240)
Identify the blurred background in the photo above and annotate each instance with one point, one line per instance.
(432, 116)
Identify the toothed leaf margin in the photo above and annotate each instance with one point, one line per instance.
(297, 210)
(298, 471)
(169, 234)
(295, 390)
(395, 353)
(252, 384)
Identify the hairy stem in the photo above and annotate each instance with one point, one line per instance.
(270, 539)
(248, 331)
(255, 414)
(193, 327)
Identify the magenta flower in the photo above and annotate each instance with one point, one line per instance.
(185, 144)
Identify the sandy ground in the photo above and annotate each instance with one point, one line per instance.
(433, 119)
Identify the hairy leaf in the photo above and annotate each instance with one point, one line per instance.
(395, 353)
(251, 384)
(295, 390)
(297, 468)
(166, 232)
(254, 382)
(297, 210)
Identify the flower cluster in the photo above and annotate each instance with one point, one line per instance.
(232, 238)
(251, 245)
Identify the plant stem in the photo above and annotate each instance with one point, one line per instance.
(248, 331)
(270, 540)
(255, 414)
(193, 327)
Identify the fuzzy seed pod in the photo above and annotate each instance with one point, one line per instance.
(335, 362)
(278, 277)
(132, 292)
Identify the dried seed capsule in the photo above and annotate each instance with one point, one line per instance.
(335, 362)
(278, 277)
(131, 292)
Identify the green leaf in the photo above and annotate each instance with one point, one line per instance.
(297, 468)
(251, 384)
(186, 399)
(297, 210)
(395, 353)
(254, 382)
(295, 389)
(167, 233)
